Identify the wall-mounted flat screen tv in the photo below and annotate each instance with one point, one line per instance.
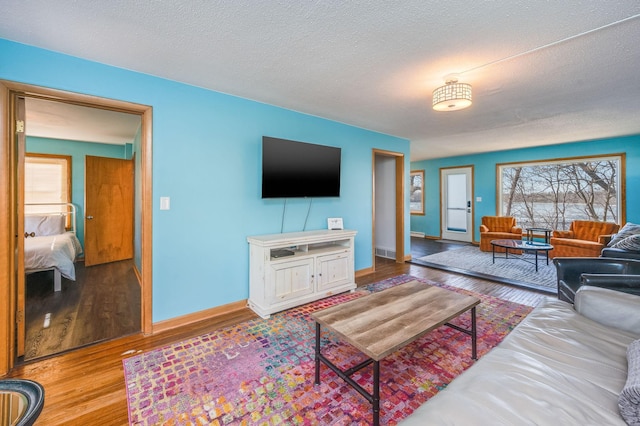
(293, 169)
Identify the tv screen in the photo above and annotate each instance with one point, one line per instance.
(297, 169)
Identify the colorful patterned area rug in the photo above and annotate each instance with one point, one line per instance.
(261, 372)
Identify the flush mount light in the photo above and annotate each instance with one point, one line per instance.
(453, 96)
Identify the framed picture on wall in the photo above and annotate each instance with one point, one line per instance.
(416, 194)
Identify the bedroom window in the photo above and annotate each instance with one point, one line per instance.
(552, 194)
(47, 179)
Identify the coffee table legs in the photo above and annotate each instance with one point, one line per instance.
(473, 333)
(376, 393)
(317, 358)
(374, 398)
(524, 250)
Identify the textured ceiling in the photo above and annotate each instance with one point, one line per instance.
(374, 63)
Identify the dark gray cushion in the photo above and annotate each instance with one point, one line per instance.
(629, 400)
(627, 230)
(631, 243)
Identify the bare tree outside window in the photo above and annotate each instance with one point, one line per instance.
(416, 193)
(553, 194)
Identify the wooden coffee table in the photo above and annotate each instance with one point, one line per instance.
(381, 323)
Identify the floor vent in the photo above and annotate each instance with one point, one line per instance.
(389, 254)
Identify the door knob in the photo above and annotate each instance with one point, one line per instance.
(89, 217)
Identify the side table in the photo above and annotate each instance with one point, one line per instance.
(546, 231)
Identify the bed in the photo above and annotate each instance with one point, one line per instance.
(50, 241)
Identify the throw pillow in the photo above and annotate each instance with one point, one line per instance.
(629, 400)
(627, 230)
(39, 226)
(631, 243)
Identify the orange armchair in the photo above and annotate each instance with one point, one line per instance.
(498, 228)
(584, 238)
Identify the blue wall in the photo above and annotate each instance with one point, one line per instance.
(485, 177)
(206, 157)
(77, 150)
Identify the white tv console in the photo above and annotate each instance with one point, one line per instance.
(320, 264)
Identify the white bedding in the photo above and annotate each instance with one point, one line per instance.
(52, 251)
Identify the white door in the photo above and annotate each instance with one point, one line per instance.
(456, 202)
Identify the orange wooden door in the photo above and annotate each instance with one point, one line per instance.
(108, 223)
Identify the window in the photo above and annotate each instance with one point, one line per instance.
(416, 194)
(552, 194)
(47, 179)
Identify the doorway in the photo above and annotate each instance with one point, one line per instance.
(388, 205)
(15, 305)
(456, 217)
(90, 303)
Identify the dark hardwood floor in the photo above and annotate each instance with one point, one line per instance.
(424, 247)
(87, 387)
(103, 303)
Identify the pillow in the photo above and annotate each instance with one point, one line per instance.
(40, 226)
(631, 243)
(629, 399)
(627, 230)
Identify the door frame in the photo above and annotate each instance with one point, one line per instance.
(471, 199)
(10, 209)
(400, 188)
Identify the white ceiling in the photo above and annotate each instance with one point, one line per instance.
(375, 63)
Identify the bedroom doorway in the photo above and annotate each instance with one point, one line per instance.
(139, 265)
(91, 304)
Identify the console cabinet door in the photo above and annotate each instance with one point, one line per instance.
(334, 270)
(291, 279)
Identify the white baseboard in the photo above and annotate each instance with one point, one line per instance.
(417, 234)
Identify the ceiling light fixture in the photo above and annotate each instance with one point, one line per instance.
(453, 96)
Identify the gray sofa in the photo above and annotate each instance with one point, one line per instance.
(563, 365)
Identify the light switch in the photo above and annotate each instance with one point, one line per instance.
(165, 203)
(478, 199)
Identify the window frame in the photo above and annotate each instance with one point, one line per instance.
(620, 184)
(57, 157)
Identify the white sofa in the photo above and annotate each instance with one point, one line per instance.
(560, 366)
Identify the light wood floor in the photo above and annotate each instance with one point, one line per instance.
(86, 386)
